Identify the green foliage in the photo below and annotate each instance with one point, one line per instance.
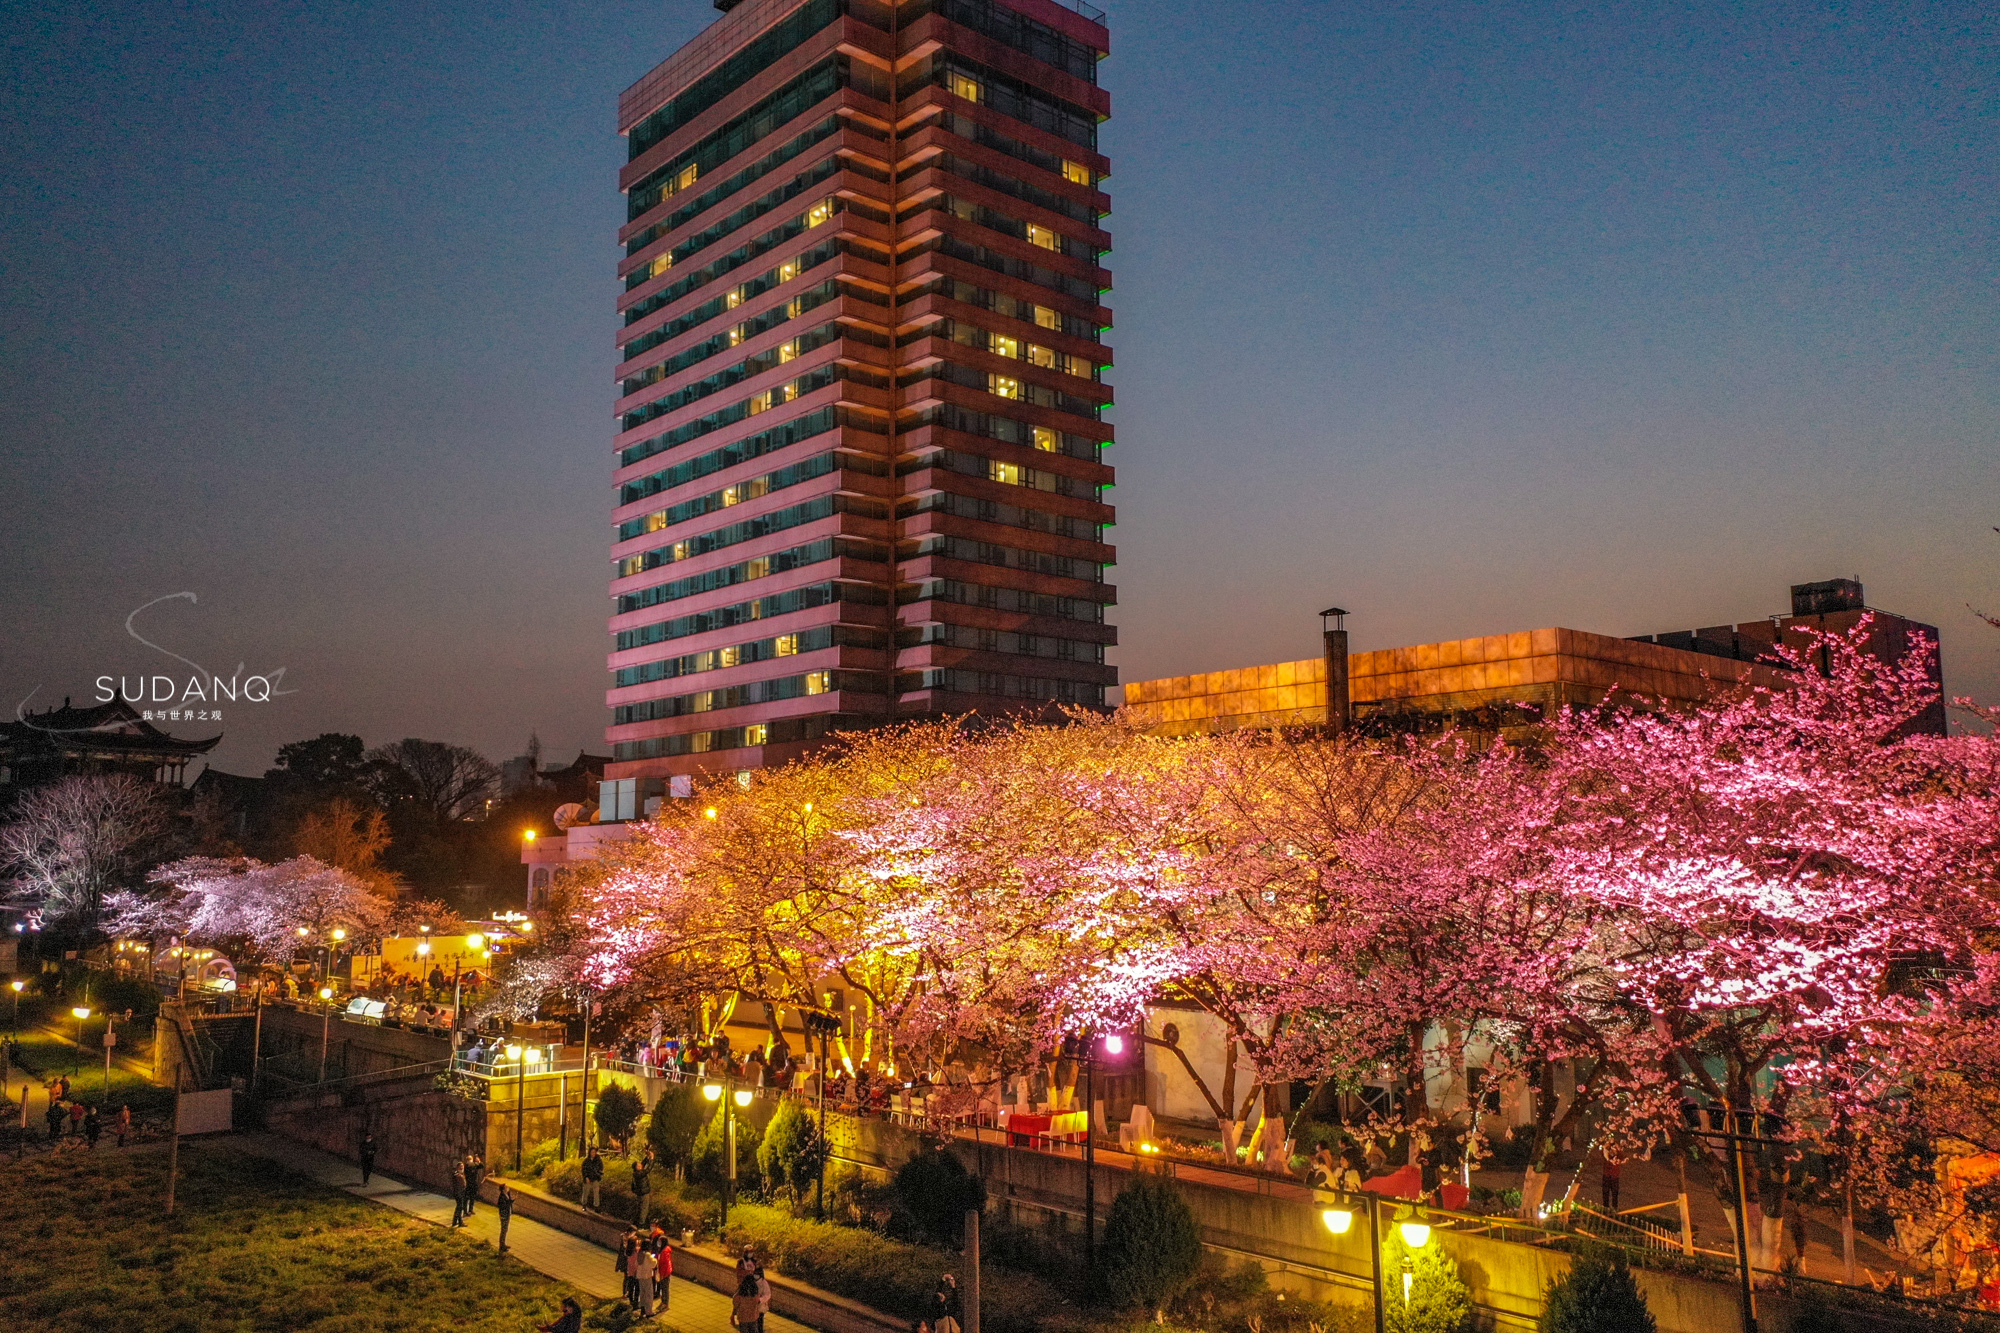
(618, 1111)
(937, 1192)
(711, 1167)
(792, 1149)
(539, 1157)
(673, 1211)
(1438, 1299)
(1597, 1295)
(893, 1276)
(251, 1245)
(1152, 1243)
(677, 1119)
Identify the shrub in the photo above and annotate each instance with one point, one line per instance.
(937, 1192)
(792, 1150)
(618, 1110)
(674, 1211)
(893, 1276)
(708, 1163)
(539, 1157)
(677, 1119)
(1152, 1244)
(1438, 1301)
(1597, 1295)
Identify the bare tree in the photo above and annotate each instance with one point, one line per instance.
(449, 782)
(348, 837)
(75, 840)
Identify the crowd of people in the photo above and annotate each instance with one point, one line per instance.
(71, 1119)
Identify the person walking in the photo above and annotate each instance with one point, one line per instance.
(475, 1171)
(664, 1281)
(569, 1321)
(92, 1127)
(75, 1118)
(642, 1185)
(593, 1181)
(644, 1270)
(458, 1192)
(504, 1201)
(124, 1124)
(744, 1307)
(367, 1157)
(763, 1295)
(1607, 1185)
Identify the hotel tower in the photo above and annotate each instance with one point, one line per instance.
(859, 459)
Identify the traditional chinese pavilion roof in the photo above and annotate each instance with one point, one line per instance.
(113, 731)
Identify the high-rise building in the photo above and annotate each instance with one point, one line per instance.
(860, 451)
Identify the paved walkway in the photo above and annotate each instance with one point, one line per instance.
(691, 1307)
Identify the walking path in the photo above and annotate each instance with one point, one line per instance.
(576, 1261)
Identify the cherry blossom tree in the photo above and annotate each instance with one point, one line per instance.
(261, 911)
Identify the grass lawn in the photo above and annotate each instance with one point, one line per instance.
(251, 1246)
(42, 1057)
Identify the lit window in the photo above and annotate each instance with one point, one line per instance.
(701, 742)
(758, 568)
(965, 87)
(738, 334)
(795, 307)
(731, 495)
(732, 298)
(680, 550)
(1047, 318)
(662, 264)
(1007, 473)
(1076, 171)
(656, 521)
(725, 656)
(786, 645)
(762, 402)
(1003, 385)
(701, 703)
(819, 213)
(755, 733)
(687, 176)
(1042, 236)
(788, 270)
(787, 350)
(631, 564)
(1078, 367)
(1041, 356)
(1001, 345)
(1045, 439)
(818, 682)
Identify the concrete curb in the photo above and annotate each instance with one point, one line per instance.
(709, 1265)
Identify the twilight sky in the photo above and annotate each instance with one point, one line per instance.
(1469, 318)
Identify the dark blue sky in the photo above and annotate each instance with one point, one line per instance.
(1470, 318)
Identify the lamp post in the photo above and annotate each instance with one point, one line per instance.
(821, 1026)
(1339, 1219)
(519, 1055)
(1414, 1226)
(325, 1019)
(82, 1012)
(737, 1097)
(17, 987)
(110, 1040)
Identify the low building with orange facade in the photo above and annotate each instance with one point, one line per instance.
(1501, 680)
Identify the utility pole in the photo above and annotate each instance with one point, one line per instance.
(1735, 1141)
(971, 1298)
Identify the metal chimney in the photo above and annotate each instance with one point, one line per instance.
(1339, 709)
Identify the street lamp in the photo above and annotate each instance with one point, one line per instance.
(520, 1058)
(82, 1012)
(739, 1097)
(17, 987)
(325, 1018)
(1415, 1229)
